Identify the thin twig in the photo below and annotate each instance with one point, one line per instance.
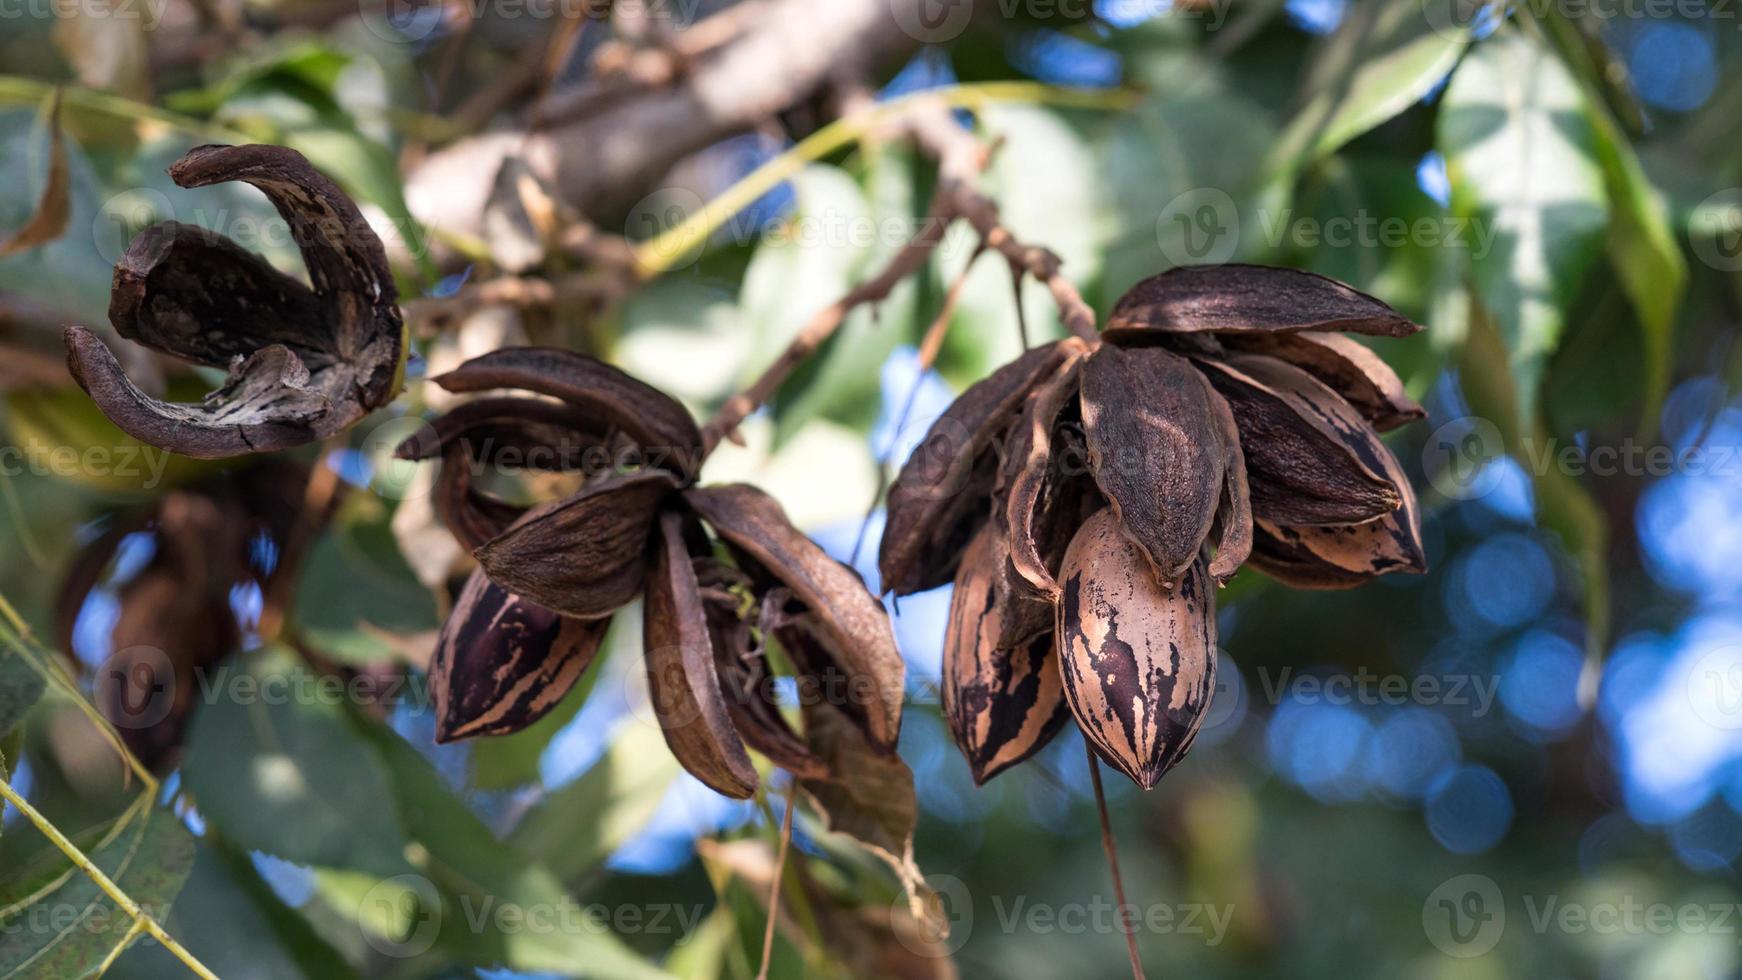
(929, 346)
(103, 883)
(1112, 856)
(774, 889)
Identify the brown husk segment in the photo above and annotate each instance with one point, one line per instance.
(1234, 299)
(939, 498)
(651, 419)
(1346, 556)
(1309, 456)
(527, 433)
(1156, 451)
(850, 627)
(1233, 531)
(1003, 703)
(502, 662)
(585, 555)
(1138, 660)
(303, 364)
(1042, 504)
(748, 687)
(681, 675)
(1346, 366)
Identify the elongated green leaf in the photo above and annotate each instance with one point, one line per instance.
(576, 827)
(274, 765)
(1522, 158)
(490, 891)
(68, 931)
(1382, 59)
(20, 688)
(231, 920)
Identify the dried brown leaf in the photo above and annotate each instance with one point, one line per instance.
(1139, 660)
(503, 662)
(49, 221)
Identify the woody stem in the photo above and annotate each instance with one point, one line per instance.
(1112, 857)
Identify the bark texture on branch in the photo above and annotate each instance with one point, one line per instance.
(615, 154)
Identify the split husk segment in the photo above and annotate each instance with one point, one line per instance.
(1221, 421)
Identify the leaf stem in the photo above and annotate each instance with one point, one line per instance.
(121, 899)
(774, 889)
(1112, 856)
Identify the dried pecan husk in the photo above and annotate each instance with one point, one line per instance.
(1004, 702)
(941, 496)
(585, 555)
(503, 662)
(1138, 660)
(681, 675)
(1232, 534)
(1346, 366)
(303, 363)
(844, 627)
(660, 427)
(1241, 299)
(1042, 494)
(748, 687)
(1156, 451)
(1310, 457)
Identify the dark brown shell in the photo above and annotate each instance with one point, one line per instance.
(1138, 660)
(1346, 366)
(1003, 703)
(502, 662)
(1310, 457)
(849, 627)
(303, 363)
(613, 399)
(1247, 299)
(1042, 499)
(584, 555)
(1233, 531)
(941, 496)
(681, 675)
(1156, 451)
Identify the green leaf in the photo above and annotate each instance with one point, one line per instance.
(1642, 240)
(71, 929)
(1522, 158)
(20, 688)
(1382, 59)
(491, 893)
(233, 923)
(356, 587)
(275, 765)
(573, 829)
